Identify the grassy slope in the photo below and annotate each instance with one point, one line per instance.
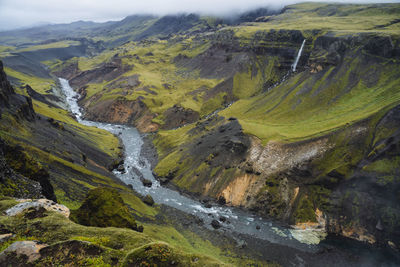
(341, 19)
(154, 71)
(299, 109)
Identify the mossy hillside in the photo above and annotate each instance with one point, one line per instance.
(71, 176)
(119, 244)
(115, 243)
(338, 18)
(58, 44)
(104, 207)
(40, 85)
(296, 110)
(154, 70)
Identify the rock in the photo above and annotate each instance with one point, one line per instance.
(232, 119)
(241, 244)
(222, 219)
(215, 224)
(221, 200)
(104, 207)
(121, 168)
(6, 237)
(392, 245)
(379, 225)
(148, 200)
(164, 180)
(47, 204)
(258, 227)
(208, 206)
(147, 182)
(20, 250)
(35, 212)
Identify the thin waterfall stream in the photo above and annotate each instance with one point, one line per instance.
(294, 66)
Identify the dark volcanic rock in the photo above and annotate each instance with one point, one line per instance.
(146, 182)
(148, 200)
(18, 105)
(177, 116)
(215, 224)
(39, 97)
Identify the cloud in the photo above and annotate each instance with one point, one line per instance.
(21, 13)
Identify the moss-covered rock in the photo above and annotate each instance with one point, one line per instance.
(104, 207)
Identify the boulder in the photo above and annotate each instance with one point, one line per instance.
(20, 252)
(46, 204)
(215, 224)
(104, 207)
(146, 182)
(148, 200)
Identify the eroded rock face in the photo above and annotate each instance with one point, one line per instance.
(18, 105)
(105, 72)
(123, 111)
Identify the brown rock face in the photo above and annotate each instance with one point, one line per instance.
(105, 72)
(123, 111)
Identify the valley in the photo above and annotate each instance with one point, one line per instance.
(275, 135)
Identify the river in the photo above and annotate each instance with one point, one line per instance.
(238, 221)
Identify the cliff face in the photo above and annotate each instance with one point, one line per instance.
(20, 106)
(21, 175)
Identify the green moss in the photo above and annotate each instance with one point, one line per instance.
(389, 166)
(161, 254)
(305, 211)
(104, 207)
(40, 85)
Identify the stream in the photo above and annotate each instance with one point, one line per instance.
(238, 221)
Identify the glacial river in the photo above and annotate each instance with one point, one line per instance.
(238, 221)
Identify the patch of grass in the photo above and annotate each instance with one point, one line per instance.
(59, 44)
(339, 18)
(40, 85)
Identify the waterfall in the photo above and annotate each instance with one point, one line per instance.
(294, 65)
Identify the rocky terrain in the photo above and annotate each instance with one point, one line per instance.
(231, 118)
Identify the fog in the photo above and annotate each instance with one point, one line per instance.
(24, 13)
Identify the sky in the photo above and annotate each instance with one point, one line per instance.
(25, 13)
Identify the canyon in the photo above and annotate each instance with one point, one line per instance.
(287, 127)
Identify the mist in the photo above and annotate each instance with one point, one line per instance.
(26, 13)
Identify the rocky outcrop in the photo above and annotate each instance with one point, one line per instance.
(104, 207)
(29, 204)
(18, 105)
(123, 111)
(14, 184)
(177, 116)
(104, 72)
